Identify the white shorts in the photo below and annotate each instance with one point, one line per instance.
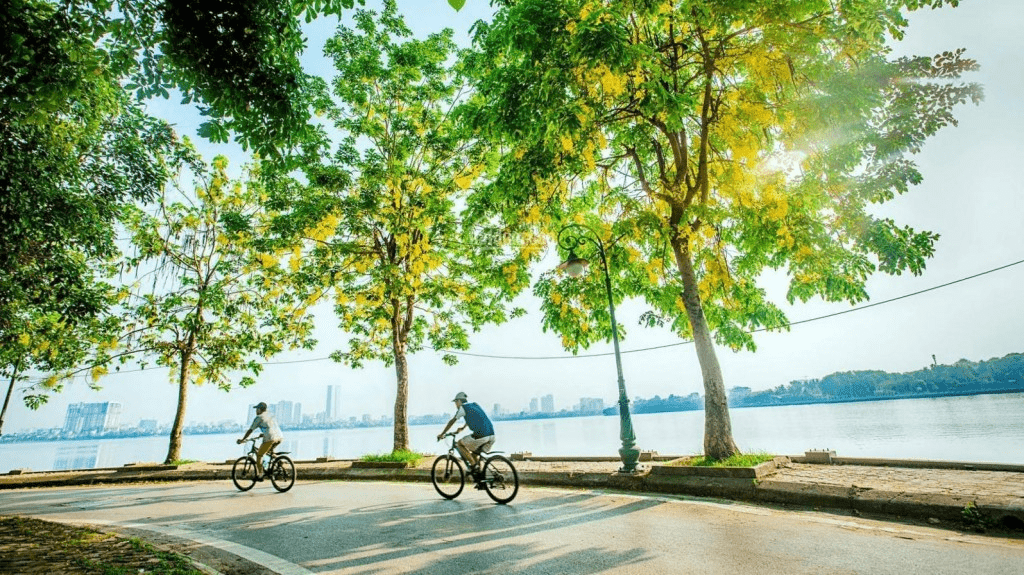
(477, 445)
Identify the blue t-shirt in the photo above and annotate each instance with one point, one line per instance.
(477, 420)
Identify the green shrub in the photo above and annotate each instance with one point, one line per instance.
(410, 457)
(184, 461)
(738, 460)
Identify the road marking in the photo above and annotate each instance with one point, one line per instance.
(272, 562)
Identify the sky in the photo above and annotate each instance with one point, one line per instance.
(972, 196)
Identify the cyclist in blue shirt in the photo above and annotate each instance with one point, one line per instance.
(482, 436)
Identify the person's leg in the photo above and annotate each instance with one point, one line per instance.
(264, 448)
(465, 450)
(487, 445)
(475, 445)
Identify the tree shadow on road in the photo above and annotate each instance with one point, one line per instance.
(451, 536)
(423, 534)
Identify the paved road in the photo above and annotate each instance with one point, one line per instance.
(375, 528)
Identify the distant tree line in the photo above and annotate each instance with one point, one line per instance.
(658, 404)
(998, 375)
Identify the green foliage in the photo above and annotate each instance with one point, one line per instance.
(379, 220)
(208, 302)
(746, 138)
(240, 58)
(738, 460)
(705, 143)
(221, 295)
(237, 59)
(401, 455)
(74, 152)
(976, 520)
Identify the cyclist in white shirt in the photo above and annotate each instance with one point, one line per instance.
(271, 435)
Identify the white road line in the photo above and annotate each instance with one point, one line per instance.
(272, 562)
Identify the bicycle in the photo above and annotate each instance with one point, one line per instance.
(498, 476)
(279, 468)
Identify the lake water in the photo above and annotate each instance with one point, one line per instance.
(980, 428)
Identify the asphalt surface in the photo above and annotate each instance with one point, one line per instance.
(886, 517)
(373, 527)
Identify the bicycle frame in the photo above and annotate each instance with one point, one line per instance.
(481, 455)
(253, 450)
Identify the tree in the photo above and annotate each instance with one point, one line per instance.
(216, 301)
(73, 152)
(381, 221)
(48, 343)
(711, 141)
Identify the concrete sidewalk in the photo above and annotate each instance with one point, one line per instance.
(953, 494)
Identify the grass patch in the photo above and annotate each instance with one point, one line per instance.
(183, 461)
(738, 460)
(84, 538)
(404, 456)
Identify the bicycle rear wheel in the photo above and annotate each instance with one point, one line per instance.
(243, 473)
(282, 473)
(448, 476)
(500, 479)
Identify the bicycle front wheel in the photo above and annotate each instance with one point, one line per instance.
(500, 479)
(282, 473)
(243, 473)
(448, 476)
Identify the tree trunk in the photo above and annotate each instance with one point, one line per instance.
(402, 394)
(174, 451)
(400, 399)
(718, 442)
(7, 400)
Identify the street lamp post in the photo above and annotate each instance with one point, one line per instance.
(571, 237)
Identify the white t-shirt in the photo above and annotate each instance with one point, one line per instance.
(267, 425)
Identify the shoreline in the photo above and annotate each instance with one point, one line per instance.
(4, 440)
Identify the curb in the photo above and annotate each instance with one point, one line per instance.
(751, 484)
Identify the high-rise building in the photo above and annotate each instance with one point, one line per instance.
(333, 410)
(86, 418)
(591, 405)
(547, 403)
(283, 412)
(533, 405)
(297, 414)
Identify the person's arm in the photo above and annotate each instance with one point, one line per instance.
(251, 427)
(447, 427)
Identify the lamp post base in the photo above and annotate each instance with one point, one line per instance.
(630, 456)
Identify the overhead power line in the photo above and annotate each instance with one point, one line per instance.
(790, 324)
(656, 347)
